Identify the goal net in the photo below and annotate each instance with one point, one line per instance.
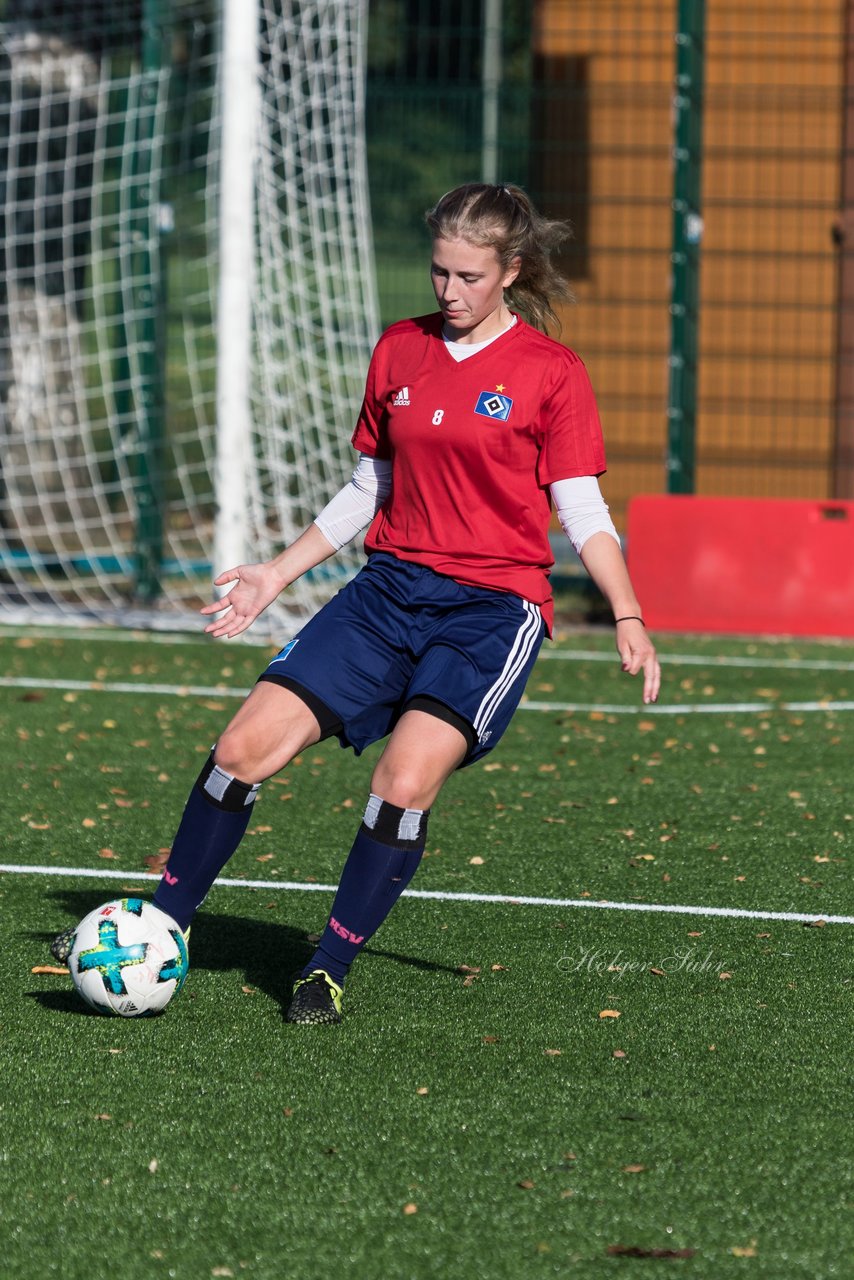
(187, 299)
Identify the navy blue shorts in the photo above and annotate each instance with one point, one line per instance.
(400, 632)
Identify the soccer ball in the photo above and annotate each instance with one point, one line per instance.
(129, 958)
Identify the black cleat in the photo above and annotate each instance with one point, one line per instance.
(62, 944)
(315, 999)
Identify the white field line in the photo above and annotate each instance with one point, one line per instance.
(437, 895)
(697, 660)
(548, 653)
(604, 708)
(687, 708)
(122, 686)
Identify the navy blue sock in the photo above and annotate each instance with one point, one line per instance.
(383, 860)
(215, 819)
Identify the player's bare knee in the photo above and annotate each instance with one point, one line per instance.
(247, 753)
(234, 756)
(403, 786)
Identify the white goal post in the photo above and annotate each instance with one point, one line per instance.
(187, 300)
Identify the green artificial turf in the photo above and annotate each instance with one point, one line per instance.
(475, 1115)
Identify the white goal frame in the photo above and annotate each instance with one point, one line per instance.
(115, 507)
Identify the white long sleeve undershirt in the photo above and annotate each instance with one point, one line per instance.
(578, 502)
(354, 507)
(581, 509)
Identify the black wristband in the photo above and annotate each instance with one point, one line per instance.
(630, 617)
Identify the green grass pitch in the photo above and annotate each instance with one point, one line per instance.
(517, 1090)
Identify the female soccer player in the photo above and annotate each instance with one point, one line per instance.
(474, 423)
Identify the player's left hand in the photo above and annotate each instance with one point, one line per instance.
(637, 653)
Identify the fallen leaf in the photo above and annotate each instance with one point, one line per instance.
(152, 1166)
(815, 924)
(468, 968)
(526, 1184)
(659, 973)
(724, 976)
(103, 1115)
(637, 1251)
(619, 1053)
(634, 1168)
(476, 861)
(49, 968)
(498, 968)
(422, 1091)
(553, 1053)
(410, 1208)
(744, 1251)
(610, 1013)
(490, 1039)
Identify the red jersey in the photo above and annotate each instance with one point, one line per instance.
(474, 446)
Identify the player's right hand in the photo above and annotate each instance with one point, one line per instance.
(255, 587)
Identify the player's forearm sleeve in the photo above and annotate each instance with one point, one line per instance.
(355, 506)
(581, 509)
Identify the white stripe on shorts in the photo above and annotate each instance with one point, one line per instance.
(526, 638)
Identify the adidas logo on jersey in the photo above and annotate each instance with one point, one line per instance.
(401, 398)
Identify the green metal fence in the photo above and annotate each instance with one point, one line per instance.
(576, 100)
(587, 103)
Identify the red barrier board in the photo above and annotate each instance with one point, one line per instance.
(758, 565)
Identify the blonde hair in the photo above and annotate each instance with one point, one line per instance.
(504, 219)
